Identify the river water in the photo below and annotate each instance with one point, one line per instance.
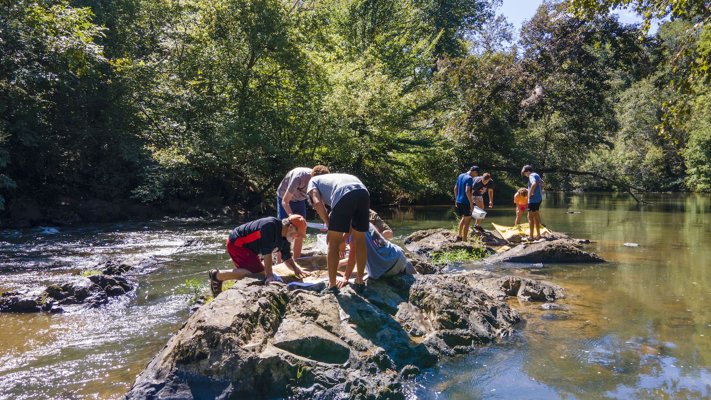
(636, 327)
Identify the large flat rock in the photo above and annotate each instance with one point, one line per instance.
(548, 251)
(256, 341)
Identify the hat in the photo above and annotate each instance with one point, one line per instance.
(474, 168)
(299, 223)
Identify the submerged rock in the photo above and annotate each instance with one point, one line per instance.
(16, 302)
(547, 251)
(256, 341)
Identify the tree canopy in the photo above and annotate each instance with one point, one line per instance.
(156, 100)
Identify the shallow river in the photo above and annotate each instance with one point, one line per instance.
(636, 327)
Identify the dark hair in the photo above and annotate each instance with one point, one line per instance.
(526, 168)
(486, 176)
(474, 168)
(320, 170)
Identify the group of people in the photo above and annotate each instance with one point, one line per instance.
(343, 204)
(469, 191)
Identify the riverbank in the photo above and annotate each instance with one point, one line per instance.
(633, 327)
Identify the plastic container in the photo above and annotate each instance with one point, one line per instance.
(321, 244)
(478, 213)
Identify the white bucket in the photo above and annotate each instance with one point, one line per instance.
(478, 213)
(321, 244)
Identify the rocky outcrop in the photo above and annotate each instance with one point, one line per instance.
(555, 248)
(88, 292)
(256, 341)
(547, 251)
(18, 302)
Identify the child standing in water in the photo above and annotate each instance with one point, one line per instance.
(521, 202)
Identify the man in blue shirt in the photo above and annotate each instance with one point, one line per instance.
(535, 197)
(463, 202)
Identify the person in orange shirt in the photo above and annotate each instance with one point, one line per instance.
(521, 202)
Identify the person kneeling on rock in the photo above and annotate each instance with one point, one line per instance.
(384, 258)
(260, 238)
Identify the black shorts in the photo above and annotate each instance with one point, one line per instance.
(352, 210)
(534, 206)
(463, 210)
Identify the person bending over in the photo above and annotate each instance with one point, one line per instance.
(480, 185)
(291, 196)
(521, 202)
(349, 201)
(261, 237)
(384, 258)
(380, 225)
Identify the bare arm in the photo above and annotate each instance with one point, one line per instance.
(285, 202)
(455, 194)
(491, 197)
(469, 196)
(319, 206)
(291, 263)
(350, 264)
(267, 261)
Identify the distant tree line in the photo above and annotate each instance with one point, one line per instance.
(165, 99)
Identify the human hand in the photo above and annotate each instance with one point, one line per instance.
(300, 274)
(269, 279)
(342, 282)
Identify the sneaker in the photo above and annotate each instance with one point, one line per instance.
(215, 284)
(458, 239)
(479, 228)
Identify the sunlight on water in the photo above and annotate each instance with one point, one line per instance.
(637, 327)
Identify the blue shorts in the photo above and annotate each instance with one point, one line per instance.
(297, 207)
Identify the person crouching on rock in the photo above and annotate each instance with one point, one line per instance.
(384, 258)
(349, 201)
(260, 238)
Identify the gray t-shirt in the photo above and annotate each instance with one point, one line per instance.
(333, 187)
(295, 182)
(383, 257)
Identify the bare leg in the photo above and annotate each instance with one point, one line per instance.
(465, 231)
(537, 216)
(530, 223)
(461, 227)
(334, 244)
(361, 254)
(518, 216)
(234, 274)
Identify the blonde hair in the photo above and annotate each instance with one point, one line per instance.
(522, 192)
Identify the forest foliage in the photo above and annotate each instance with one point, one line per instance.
(162, 99)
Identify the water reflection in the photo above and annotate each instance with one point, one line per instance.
(637, 327)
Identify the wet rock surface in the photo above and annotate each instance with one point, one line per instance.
(256, 341)
(87, 292)
(547, 251)
(555, 248)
